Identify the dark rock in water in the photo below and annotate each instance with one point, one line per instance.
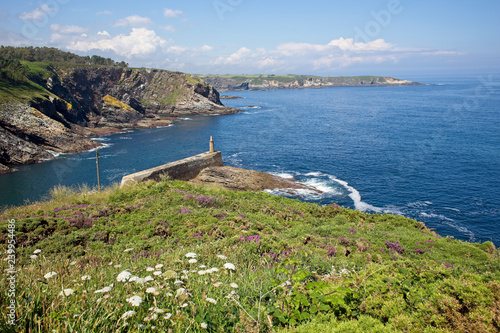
(248, 180)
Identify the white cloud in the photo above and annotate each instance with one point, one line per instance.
(67, 29)
(140, 42)
(169, 28)
(171, 13)
(38, 14)
(103, 33)
(135, 21)
(104, 12)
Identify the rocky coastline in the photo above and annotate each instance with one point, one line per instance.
(84, 102)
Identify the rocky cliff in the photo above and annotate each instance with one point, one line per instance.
(54, 109)
(266, 82)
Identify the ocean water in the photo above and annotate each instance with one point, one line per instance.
(429, 152)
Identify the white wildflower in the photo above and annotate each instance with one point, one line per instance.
(156, 310)
(167, 316)
(148, 278)
(202, 272)
(151, 290)
(128, 250)
(33, 256)
(37, 251)
(85, 277)
(118, 266)
(191, 255)
(178, 282)
(233, 285)
(181, 291)
(128, 314)
(184, 277)
(73, 263)
(135, 300)
(157, 273)
(184, 305)
(139, 280)
(229, 266)
(123, 276)
(213, 269)
(159, 266)
(202, 266)
(50, 275)
(204, 325)
(67, 292)
(150, 269)
(192, 261)
(169, 294)
(211, 300)
(103, 290)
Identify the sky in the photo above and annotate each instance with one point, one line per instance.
(317, 37)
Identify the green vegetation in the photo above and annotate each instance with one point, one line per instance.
(53, 55)
(170, 256)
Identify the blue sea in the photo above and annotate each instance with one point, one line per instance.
(430, 152)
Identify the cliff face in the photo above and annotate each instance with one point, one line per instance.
(265, 82)
(90, 101)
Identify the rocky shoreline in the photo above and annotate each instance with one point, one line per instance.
(82, 103)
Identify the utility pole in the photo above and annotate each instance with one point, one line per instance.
(97, 164)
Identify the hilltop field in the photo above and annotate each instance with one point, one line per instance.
(170, 256)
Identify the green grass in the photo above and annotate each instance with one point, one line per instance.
(21, 91)
(299, 267)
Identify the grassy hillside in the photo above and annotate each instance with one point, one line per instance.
(174, 257)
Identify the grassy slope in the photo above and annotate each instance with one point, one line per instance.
(298, 266)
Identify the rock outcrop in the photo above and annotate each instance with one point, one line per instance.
(73, 103)
(238, 179)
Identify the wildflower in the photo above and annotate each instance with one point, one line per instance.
(170, 274)
(37, 251)
(157, 273)
(67, 292)
(202, 266)
(217, 284)
(181, 291)
(169, 294)
(193, 261)
(103, 290)
(202, 272)
(33, 256)
(85, 277)
(151, 290)
(159, 266)
(221, 256)
(149, 269)
(135, 300)
(178, 282)
(123, 276)
(148, 278)
(184, 305)
(128, 250)
(118, 266)
(73, 263)
(50, 275)
(191, 255)
(233, 285)
(138, 280)
(229, 266)
(156, 310)
(213, 269)
(167, 316)
(204, 325)
(128, 314)
(211, 300)
(153, 316)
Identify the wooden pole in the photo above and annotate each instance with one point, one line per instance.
(98, 174)
(211, 145)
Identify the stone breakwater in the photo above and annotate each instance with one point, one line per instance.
(208, 169)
